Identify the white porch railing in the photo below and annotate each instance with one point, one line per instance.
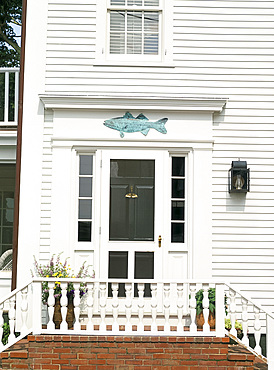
(9, 92)
(169, 311)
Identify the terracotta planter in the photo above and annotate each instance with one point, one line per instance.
(57, 317)
(200, 320)
(70, 313)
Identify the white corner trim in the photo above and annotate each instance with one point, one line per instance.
(123, 102)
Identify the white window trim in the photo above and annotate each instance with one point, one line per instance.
(102, 38)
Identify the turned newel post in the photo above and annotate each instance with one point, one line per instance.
(77, 301)
(232, 309)
(115, 307)
(257, 330)
(180, 306)
(12, 313)
(154, 307)
(63, 302)
(192, 305)
(167, 306)
(245, 321)
(141, 304)
(103, 304)
(51, 302)
(24, 309)
(90, 303)
(128, 305)
(206, 327)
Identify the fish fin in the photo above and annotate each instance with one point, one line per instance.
(142, 116)
(122, 134)
(160, 125)
(145, 132)
(128, 115)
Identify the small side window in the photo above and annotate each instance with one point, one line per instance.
(85, 198)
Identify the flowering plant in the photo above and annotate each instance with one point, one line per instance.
(60, 270)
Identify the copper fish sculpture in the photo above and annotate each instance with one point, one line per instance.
(128, 123)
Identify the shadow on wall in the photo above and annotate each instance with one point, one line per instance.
(236, 202)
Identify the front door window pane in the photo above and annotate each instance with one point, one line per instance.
(132, 200)
(144, 269)
(118, 268)
(178, 199)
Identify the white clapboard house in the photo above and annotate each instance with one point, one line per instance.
(148, 151)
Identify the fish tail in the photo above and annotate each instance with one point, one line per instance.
(160, 125)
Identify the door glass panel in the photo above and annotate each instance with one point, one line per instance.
(132, 200)
(84, 231)
(118, 268)
(143, 269)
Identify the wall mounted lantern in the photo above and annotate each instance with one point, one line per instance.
(238, 177)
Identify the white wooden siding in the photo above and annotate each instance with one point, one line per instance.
(221, 48)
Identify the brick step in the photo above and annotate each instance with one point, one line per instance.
(66, 352)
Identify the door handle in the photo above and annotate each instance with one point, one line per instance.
(160, 241)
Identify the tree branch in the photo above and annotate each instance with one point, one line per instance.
(12, 43)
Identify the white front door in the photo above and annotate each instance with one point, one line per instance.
(132, 214)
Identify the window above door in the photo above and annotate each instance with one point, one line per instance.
(134, 30)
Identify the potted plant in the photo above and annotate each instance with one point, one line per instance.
(199, 308)
(61, 270)
(238, 327)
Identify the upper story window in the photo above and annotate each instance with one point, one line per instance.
(134, 30)
(134, 27)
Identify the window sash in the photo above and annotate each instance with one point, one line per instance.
(134, 30)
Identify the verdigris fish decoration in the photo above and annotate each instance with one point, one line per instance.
(128, 123)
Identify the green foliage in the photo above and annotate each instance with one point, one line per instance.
(59, 270)
(10, 14)
(238, 325)
(6, 333)
(199, 300)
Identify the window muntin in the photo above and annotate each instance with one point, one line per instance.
(85, 198)
(134, 27)
(178, 200)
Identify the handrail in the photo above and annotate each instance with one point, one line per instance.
(14, 292)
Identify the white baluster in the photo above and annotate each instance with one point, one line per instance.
(128, 306)
(103, 304)
(206, 327)
(64, 302)
(24, 309)
(115, 307)
(90, 302)
(257, 330)
(192, 305)
(1, 324)
(141, 304)
(167, 306)
(77, 301)
(153, 307)
(51, 302)
(244, 321)
(232, 309)
(11, 319)
(180, 307)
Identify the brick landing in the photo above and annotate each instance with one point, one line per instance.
(53, 352)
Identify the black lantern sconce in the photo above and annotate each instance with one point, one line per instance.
(238, 177)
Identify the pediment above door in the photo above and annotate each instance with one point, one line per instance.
(135, 102)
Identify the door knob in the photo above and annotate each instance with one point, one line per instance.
(160, 241)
